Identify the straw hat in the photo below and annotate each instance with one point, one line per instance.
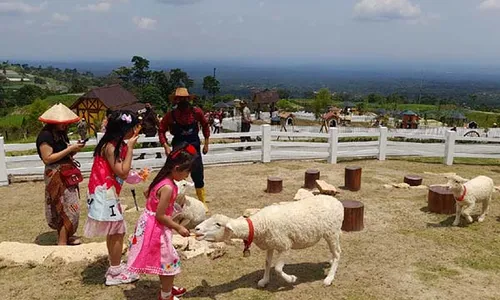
(59, 114)
(181, 92)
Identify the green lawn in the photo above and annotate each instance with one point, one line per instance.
(11, 121)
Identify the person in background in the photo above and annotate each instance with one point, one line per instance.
(184, 122)
(62, 207)
(150, 125)
(82, 129)
(246, 121)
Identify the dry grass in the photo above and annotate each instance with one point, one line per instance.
(403, 253)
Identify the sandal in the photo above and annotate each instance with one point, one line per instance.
(74, 241)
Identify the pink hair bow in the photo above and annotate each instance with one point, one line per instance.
(127, 118)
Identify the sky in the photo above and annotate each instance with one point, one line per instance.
(390, 31)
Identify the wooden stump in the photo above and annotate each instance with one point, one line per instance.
(310, 178)
(353, 215)
(440, 200)
(352, 178)
(274, 185)
(413, 180)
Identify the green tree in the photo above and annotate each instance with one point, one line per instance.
(321, 102)
(177, 76)
(77, 86)
(284, 93)
(152, 94)
(39, 80)
(286, 105)
(140, 71)
(211, 85)
(28, 93)
(31, 124)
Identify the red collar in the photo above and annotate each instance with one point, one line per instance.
(251, 232)
(461, 198)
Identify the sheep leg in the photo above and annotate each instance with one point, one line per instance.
(279, 269)
(467, 211)
(458, 213)
(334, 245)
(484, 211)
(269, 259)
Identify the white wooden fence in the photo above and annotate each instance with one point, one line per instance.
(291, 145)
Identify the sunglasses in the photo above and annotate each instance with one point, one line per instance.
(189, 149)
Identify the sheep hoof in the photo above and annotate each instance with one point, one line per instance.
(262, 283)
(456, 223)
(469, 219)
(481, 219)
(328, 281)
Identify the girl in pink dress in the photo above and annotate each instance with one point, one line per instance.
(151, 250)
(112, 163)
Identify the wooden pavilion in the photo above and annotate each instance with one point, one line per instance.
(265, 97)
(93, 105)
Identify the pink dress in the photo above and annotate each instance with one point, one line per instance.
(151, 250)
(105, 216)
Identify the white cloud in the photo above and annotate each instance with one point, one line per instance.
(386, 10)
(489, 5)
(145, 23)
(98, 7)
(60, 18)
(17, 8)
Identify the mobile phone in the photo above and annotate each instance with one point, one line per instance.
(84, 141)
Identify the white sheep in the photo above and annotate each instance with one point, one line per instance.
(191, 211)
(467, 193)
(292, 225)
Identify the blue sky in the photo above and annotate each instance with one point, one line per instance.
(461, 31)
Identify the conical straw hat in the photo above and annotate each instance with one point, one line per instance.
(59, 114)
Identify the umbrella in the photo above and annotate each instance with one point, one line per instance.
(409, 113)
(221, 105)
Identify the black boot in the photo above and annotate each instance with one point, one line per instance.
(158, 155)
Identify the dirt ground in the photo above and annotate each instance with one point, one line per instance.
(404, 252)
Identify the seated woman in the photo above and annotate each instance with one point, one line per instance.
(62, 208)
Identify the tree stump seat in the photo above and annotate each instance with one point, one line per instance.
(353, 215)
(352, 178)
(440, 200)
(310, 178)
(413, 180)
(274, 185)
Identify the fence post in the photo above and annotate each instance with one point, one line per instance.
(382, 143)
(333, 141)
(266, 143)
(4, 179)
(449, 147)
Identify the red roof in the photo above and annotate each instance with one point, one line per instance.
(113, 97)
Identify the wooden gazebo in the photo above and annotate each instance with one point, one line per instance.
(265, 97)
(93, 105)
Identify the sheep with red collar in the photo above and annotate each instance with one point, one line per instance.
(469, 192)
(294, 225)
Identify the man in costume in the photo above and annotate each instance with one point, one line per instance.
(183, 122)
(150, 125)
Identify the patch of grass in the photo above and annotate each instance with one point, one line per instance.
(480, 261)
(11, 121)
(429, 271)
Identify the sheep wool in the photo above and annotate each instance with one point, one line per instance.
(468, 193)
(290, 225)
